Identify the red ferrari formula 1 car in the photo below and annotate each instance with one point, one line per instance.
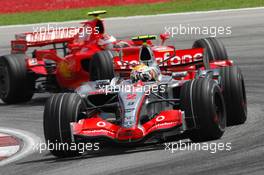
(199, 97)
(79, 55)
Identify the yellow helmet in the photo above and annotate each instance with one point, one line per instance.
(140, 67)
(137, 71)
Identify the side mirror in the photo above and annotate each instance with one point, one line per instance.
(164, 37)
(182, 74)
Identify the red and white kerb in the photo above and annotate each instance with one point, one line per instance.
(9, 145)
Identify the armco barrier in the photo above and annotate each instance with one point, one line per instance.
(16, 6)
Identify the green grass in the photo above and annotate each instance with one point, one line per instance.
(173, 6)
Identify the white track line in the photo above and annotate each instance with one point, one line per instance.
(29, 141)
(142, 16)
(8, 151)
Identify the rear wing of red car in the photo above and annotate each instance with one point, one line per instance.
(38, 39)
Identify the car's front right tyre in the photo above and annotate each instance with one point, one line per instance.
(60, 111)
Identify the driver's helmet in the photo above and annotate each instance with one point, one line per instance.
(144, 73)
(107, 41)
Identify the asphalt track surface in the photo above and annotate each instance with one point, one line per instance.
(245, 46)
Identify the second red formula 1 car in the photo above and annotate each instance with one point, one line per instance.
(201, 98)
(60, 59)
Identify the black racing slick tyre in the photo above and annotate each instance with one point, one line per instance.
(215, 49)
(60, 110)
(101, 66)
(233, 86)
(16, 84)
(203, 102)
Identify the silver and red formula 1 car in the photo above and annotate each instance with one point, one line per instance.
(200, 98)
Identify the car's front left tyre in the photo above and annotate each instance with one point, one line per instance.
(202, 101)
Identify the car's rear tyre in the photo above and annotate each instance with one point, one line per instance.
(215, 49)
(60, 110)
(202, 100)
(16, 84)
(101, 66)
(233, 86)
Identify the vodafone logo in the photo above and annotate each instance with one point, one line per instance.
(101, 124)
(160, 118)
(177, 60)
